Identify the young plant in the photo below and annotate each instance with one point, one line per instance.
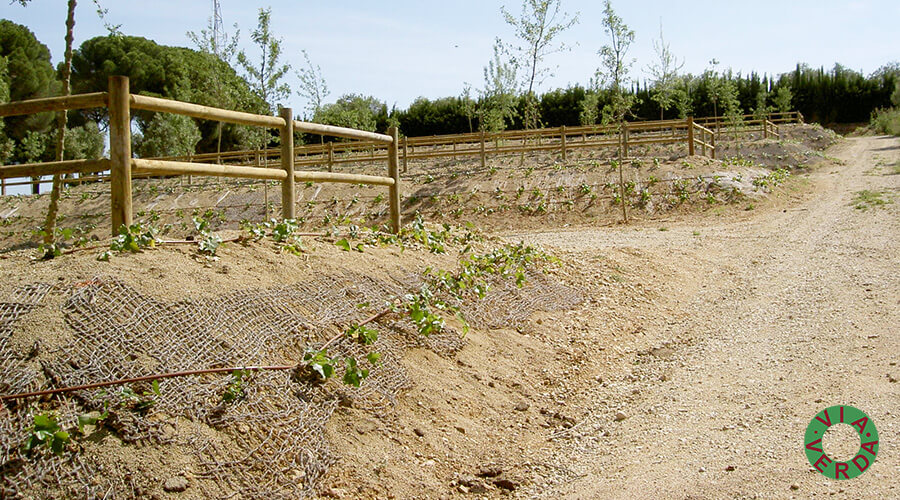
(46, 432)
(235, 389)
(135, 238)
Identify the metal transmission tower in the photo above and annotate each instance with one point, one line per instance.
(218, 33)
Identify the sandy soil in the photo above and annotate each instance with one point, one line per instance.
(774, 318)
(705, 342)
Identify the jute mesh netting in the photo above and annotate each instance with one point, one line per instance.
(270, 442)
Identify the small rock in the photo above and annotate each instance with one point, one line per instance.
(506, 484)
(461, 429)
(795, 486)
(891, 379)
(478, 488)
(490, 471)
(663, 378)
(730, 468)
(620, 416)
(419, 432)
(522, 406)
(702, 469)
(662, 352)
(175, 484)
(463, 488)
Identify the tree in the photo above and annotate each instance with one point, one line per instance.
(590, 105)
(731, 105)
(783, 98)
(536, 27)
(353, 111)
(562, 106)
(84, 142)
(171, 72)
(265, 80)
(6, 144)
(61, 116)
(28, 74)
(498, 98)
(615, 70)
(468, 104)
(762, 108)
(664, 72)
(615, 65)
(219, 47)
(715, 89)
(167, 135)
(313, 87)
(440, 116)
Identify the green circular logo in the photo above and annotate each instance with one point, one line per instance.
(868, 442)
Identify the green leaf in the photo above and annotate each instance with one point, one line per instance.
(343, 244)
(42, 421)
(58, 444)
(373, 357)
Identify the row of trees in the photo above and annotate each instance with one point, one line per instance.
(216, 74)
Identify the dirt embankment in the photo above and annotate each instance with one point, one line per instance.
(664, 357)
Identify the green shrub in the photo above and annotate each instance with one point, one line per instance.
(886, 121)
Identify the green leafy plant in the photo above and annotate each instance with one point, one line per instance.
(46, 432)
(133, 239)
(208, 243)
(140, 403)
(281, 231)
(317, 364)
(235, 389)
(353, 373)
(362, 334)
(420, 309)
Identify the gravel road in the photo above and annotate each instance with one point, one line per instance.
(794, 309)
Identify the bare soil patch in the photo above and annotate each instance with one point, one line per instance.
(660, 358)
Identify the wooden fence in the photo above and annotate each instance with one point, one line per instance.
(562, 140)
(695, 133)
(122, 166)
(699, 133)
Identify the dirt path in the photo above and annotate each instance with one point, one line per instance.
(783, 314)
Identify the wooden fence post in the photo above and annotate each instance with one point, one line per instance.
(405, 160)
(288, 189)
(3, 186)
(690, 127)
(562, 135)
(765, 128)
(712, 137)
(483, 155)
(394, 173)
(330, 156)
(119, 152)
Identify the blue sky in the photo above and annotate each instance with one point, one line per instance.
(400, 50)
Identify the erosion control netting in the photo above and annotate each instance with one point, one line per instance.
(270, 441)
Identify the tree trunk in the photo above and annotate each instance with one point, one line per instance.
(50, 223)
